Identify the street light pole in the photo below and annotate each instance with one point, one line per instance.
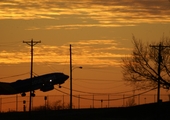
(71, 70)
(70, 77)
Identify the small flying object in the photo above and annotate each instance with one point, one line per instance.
(44, 82)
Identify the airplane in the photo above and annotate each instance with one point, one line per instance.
(44, 82)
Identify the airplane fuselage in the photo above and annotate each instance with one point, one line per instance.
(44, 83)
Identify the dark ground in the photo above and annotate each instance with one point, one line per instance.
(142, 112)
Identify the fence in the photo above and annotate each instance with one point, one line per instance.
(18, 103)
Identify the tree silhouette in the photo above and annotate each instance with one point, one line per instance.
(57, 105)
(130, 102)
(141, 67)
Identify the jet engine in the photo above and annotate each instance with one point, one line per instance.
(46, 88)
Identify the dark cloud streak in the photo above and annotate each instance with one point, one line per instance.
(101, 11)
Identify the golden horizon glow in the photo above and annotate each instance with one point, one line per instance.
(85, 52)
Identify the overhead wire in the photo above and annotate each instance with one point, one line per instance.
(100, 70)
(97, 88)
(108, 99)
(94, 80)
(52, 68)
(101, 93)
(12, 102)
(98, 82)
(45, 63)
(14, 76)
(132, 95)
(35, 74)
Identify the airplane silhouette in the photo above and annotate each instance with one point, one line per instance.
(44, 82)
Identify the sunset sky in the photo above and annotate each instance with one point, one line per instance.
(100, 32)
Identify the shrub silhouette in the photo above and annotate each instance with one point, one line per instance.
(57, 105)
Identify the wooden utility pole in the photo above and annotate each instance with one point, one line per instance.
(160, 48)
(31, 43)
(17, 102)
(0, 104)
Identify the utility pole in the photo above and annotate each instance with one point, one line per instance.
(16, 102)
(70, 77)
(31, 43)
(0, 104)
(160, 48)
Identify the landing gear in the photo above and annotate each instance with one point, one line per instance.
(32, 94)
(23, 94)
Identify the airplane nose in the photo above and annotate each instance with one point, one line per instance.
(66, 76)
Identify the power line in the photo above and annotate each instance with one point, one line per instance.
(111, 87)
(102, 83)
(106, 70)
(98, 81)
(51, 65)
(103, 80)
(108, 99)
(11, 102)
(14, 76)
(102, 93)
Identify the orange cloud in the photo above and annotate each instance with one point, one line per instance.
(85, 52)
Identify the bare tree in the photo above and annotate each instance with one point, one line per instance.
(141, 67)
(130, 102)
